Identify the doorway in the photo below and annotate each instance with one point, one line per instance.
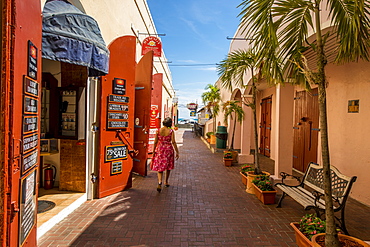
(306, 129)
(265, 127)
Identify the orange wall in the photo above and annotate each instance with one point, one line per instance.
(348, 132)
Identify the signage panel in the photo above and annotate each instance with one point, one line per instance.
(31, 87)
(117, 115)
(116, 167)
(152, 44)
(30, 124)
(27, 207)
(30, 142)
(117, 124)
(115, 153)
(30, 160)
(118, 98)
(117, 107)
(30, 105)
(119, 86)
(32, 60)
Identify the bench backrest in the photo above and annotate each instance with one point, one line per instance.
(341, 184)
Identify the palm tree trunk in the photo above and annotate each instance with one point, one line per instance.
(257, 169)
(331, 239)
(232, 137)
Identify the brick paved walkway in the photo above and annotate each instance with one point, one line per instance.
(206, 205)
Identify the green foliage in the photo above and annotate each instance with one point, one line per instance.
(209, 134)
(246, 168)
(263, 183)
(228, 155)
(311, 225)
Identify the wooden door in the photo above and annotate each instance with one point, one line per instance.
(143, 92)
(265, 127)
(306, 128)
(116, 133)
(20, 120)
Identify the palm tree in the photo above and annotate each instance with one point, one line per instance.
(280, 31)
(211, 100)
(231, 108)
(232, 70)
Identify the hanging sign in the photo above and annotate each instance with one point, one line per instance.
(152, 44)
(192, 106)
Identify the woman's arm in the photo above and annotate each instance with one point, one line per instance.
(175, 145)
(155, 142)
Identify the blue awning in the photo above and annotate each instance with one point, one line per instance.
(70, 36)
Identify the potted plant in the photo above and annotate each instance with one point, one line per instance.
(243, 172)
(308, 226)
(228, 158)
(208, 136)
(263, 189)
(211, 100)
(310, 231)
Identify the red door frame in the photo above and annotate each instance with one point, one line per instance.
(21, 22)
(143, 84)
(122, 66)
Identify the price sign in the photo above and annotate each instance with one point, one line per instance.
(115, 153)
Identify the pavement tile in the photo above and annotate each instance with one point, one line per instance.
(206, 205)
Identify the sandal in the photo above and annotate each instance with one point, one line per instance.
(159, 187)
(166, 185)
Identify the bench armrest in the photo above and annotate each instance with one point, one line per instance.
(284, 175)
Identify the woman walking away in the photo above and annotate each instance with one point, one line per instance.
(163, 153)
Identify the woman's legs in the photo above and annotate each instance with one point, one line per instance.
(160, 176)
(167, 176)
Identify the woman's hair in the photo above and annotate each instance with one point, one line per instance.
(167, 122)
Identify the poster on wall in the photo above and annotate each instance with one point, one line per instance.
(153, 126)
(28, 206)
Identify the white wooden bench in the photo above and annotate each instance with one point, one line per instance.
(310, 192)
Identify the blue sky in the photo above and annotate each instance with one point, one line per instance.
(196, 32)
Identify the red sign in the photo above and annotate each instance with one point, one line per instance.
(152, 44)
(192, 106)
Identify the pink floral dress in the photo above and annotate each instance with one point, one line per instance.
(164, 159)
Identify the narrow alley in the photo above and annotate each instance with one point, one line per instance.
(205, 205)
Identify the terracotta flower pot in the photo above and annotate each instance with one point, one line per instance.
(300, 239)
(244, 178)
(251, 176)
(213, 139)
(228, 162)
(321, 237)
(266, 197)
